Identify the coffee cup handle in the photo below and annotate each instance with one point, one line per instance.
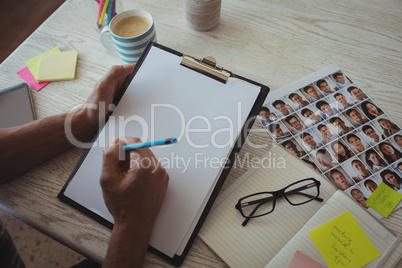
(106, 39)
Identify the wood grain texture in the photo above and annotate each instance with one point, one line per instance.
(273, 42)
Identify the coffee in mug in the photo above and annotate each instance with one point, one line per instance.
(132, 26)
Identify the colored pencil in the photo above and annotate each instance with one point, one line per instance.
(103, 11)
(109, 11)
(100, 10)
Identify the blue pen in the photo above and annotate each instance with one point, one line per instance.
(109, 11)
(149, 144)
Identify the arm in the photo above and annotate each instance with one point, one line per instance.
(133, 193)
(24, 147)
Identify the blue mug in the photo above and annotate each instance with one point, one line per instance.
(130, 47)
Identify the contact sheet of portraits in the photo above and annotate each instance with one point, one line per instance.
(331, 124)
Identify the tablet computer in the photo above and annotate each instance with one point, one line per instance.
(16, 106)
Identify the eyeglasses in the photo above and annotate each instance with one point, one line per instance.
(263, 203)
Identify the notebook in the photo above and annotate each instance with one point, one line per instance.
(272, 240)
(168, 96)
(385, 242)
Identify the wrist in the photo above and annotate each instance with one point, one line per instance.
(139, 221)
(134, 230)
(82, 127)
(128, 245)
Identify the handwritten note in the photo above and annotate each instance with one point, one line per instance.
(343, 243)
(384, 199)
(301, 260)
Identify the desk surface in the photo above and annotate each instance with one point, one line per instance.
(272, 42)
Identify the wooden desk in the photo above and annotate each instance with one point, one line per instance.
(273, 42)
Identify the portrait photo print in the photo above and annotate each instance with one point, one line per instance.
(334, 127)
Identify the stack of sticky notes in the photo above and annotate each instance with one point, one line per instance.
(53, 65)
(57, 66)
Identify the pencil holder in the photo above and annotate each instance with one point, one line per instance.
(202, 15)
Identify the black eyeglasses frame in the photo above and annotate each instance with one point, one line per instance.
(276, 195)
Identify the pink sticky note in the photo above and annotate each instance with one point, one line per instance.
(30, 79)
(301, 260)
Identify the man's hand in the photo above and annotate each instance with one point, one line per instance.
(133, 190)
(98, 103)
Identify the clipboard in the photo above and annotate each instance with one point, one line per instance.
(203, 93)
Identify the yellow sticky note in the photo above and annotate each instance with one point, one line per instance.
(343, 243)
(33, 64)
(58, 66)
(384, 199)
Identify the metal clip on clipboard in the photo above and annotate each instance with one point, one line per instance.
(206, 66)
